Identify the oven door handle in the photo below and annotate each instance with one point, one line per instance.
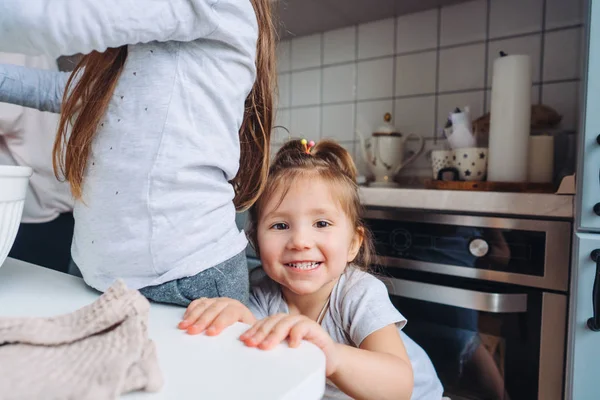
(451, 296)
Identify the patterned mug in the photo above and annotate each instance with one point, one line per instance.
(471, 163)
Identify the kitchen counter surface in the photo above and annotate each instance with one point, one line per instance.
(193, 367)
(521, 204)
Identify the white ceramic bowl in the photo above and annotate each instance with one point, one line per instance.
(13, 187)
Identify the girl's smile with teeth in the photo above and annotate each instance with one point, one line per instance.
(304, 265)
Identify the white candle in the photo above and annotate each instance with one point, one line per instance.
(541, 159)
(510, 118)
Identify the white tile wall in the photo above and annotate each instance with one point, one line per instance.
(338, 122)
(339, 83)
(415, 73)
(421, 66)
(375, 79)
(563, 97)
(413, 115)
(561, 54)
(453, 26)
(339, 45)
(372, 39)
(306, 87)
(462, 68)
(513, 17)
(306, 122)
(560, 13)
(306, 52)
(285, 90)
(417, 31)
(284, 56)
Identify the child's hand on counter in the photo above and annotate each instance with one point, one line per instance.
(214, 315)
(269, 332)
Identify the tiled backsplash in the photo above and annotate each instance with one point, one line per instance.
(421, 66)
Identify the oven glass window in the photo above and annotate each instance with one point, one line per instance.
(511, 250)
(478, 355)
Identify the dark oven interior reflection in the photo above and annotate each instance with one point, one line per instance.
(477, 354)
(484, 297)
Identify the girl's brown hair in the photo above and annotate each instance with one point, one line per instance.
(333, 164)
(85, 104)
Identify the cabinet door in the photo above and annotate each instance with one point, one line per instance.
(583, 366)
(588, 182)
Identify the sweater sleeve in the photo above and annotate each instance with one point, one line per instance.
(59, 27)
(30, 87)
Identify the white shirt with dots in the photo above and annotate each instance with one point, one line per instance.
(157, 205)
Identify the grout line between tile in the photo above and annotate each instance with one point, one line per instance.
(437, 76)
(542, 51)
(355, 91)
(290, 91)
(321, 87)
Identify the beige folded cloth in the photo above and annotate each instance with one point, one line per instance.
(97, 352)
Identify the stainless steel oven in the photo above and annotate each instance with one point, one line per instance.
(485, 297)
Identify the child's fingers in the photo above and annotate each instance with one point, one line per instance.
(227, 317)
(261, 329)
(257, 325)
(247, 316)
(279, 332)
(193, 311)
(208, 315)
(202, 301)
(298, 332)
(250, 331)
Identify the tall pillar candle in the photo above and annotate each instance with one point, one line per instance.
(510, 118)
(541, 159)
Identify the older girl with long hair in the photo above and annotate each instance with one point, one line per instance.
(164, 132)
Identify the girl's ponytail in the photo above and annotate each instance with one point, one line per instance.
(335, 155)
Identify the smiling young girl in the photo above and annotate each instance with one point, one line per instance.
(315, 251)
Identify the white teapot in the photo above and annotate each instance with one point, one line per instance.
(383, 152)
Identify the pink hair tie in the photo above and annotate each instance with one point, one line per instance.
(307, 145)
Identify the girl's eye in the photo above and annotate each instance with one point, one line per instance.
(279, 226)
(322, 224)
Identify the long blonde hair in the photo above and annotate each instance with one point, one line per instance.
(98, 73)
(330, 162)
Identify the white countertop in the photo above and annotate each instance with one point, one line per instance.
(200, 367)
(523, 204)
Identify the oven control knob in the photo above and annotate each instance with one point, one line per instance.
(401, 239)
(478, 247)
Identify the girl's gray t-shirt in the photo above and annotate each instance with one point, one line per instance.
(359, 306)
